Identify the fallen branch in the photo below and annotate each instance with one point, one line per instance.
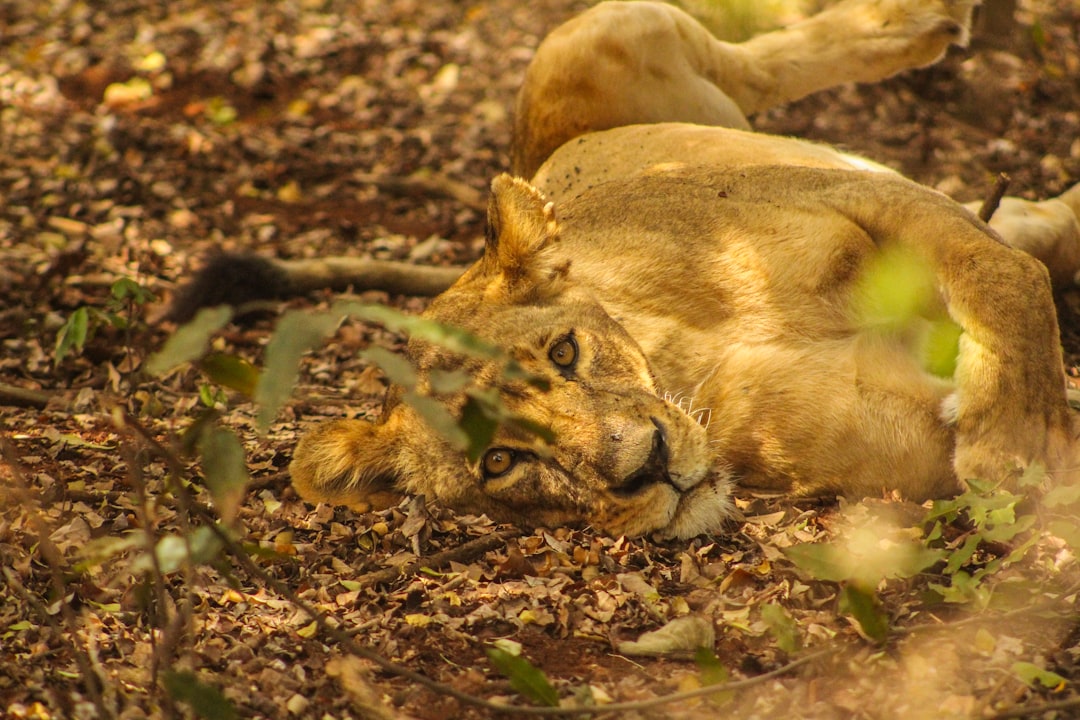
(1033, 711)
(990, 205)
(426, 183)
(67, 625)
(15, 396)
(463, 553)
(334, 631)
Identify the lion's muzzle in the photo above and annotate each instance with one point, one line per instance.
(654, 469)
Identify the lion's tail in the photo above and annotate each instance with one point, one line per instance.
(240, 279)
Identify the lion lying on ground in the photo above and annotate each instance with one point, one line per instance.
(690, 296)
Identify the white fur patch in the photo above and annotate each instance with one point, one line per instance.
(949, 412)
(702, 509)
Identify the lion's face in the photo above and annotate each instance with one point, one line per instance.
(620, 457)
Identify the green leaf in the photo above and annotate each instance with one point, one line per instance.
(947, 510)
(438, 417)
(524, 677)
(1068, 531)
(712, 672)
(1005, 531)
(896, 288)
(172, 551)
(225, 467)
(98, 550)
(492, 405)
(1031, 674)
(446, 382)
(190, 341)
(478, 426)
(862, 605)
(396, 367)
(204, 700)
(679, 635)
(220, 112)
(297, 333)
(231, 371)
(940, 347)
(962, 589)
(936, 532)
(210, 396)
(979, 488)
(820, 560)
(73, 334)
(781, 626)
(1034, 476)
(959, 557)
(447, 336)
(532, 427)
(1062, 495)
(127, 289)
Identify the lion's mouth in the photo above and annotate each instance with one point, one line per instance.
(655, 468)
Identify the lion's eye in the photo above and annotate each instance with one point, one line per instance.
(564, 353)
(498, 461)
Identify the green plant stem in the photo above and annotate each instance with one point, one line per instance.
(1038, 710)
(342, 637)
(54, 559)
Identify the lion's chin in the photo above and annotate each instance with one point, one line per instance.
(701, 509)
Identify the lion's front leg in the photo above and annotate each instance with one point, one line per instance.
(1009, 410)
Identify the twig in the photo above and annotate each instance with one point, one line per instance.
(1052, 604)
(266, 481)
(54, 559)
(462, 553)
(426, 183)
(163, 648)
(990, 205)
(332, 627)
(1036, 710)
(23, 397)
(332, 630)
(343, 638)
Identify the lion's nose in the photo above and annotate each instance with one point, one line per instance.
(655, 467)
(660, 453)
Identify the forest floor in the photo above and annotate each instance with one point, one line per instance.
(136, 140)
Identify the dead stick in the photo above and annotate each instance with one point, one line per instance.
(990, 205)
(426, 183)
(462, 553)
(23, 397)
(92, 681)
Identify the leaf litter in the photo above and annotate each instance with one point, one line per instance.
(138, 140)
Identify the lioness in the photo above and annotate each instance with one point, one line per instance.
(690, 296)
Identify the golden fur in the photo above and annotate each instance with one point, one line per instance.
(691, 296)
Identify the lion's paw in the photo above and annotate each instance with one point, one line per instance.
(893, 35)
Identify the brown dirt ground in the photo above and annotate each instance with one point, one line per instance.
(260, 126)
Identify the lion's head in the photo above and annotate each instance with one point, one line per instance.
(620, 457)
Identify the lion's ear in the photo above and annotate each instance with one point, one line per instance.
(521, 235)
(349, 462)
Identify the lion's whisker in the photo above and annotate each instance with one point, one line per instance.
(703, 416)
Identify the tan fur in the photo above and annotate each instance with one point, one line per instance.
(708, 279)
(624, 63)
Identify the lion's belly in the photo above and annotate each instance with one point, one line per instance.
(854, 417)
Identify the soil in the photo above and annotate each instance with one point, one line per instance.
(139, 138)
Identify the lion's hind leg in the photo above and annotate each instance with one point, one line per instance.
(853, 41)
(1047, 230)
